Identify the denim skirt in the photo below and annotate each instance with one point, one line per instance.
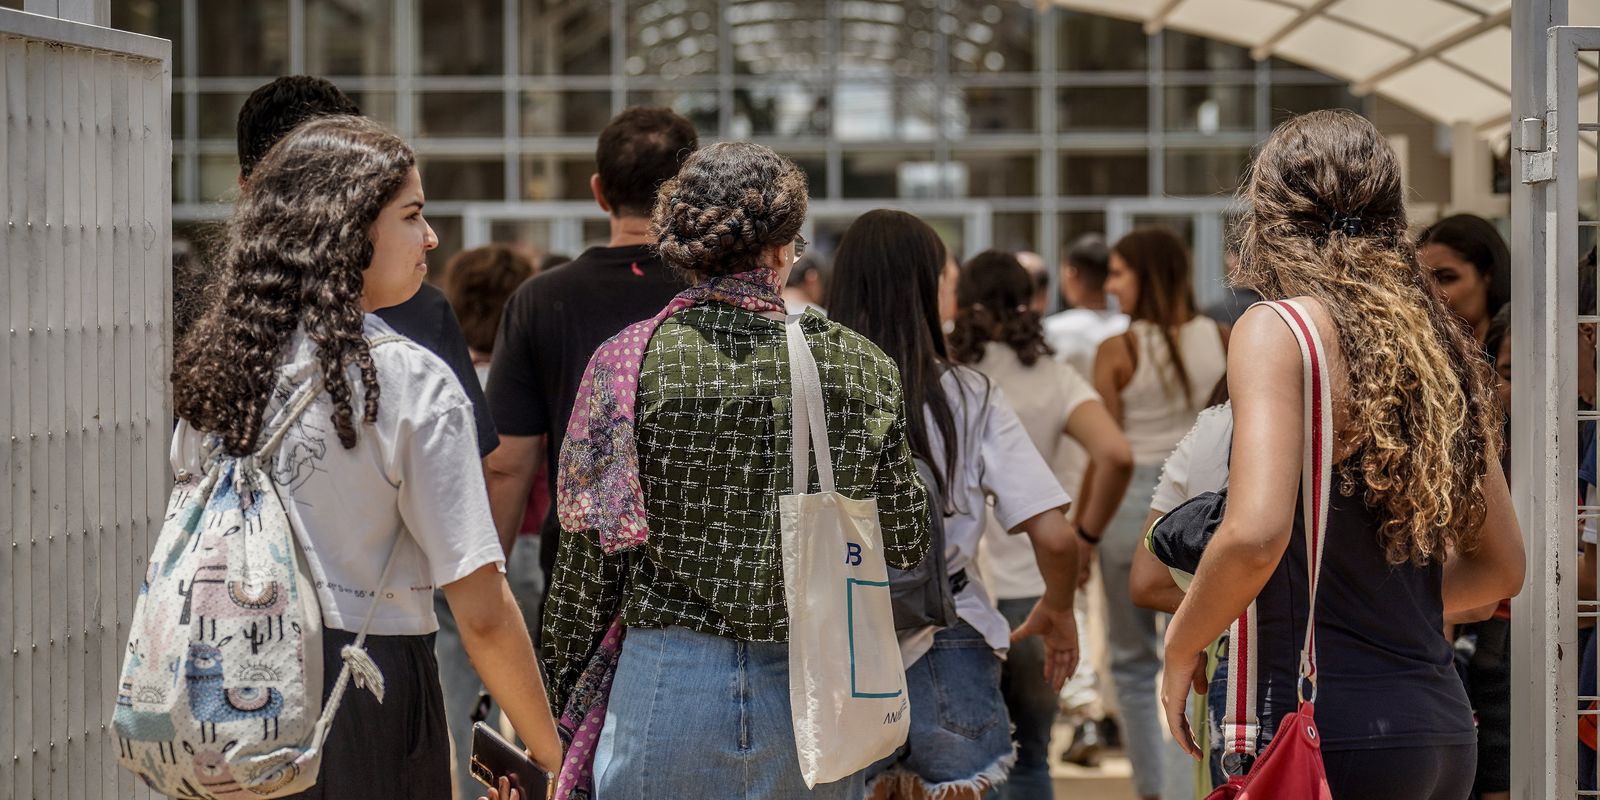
(703, 716)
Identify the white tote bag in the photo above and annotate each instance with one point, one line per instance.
(847, 683)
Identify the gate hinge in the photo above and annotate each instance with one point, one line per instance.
(1538, 157)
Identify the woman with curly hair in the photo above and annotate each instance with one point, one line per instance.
(382, 460)
(675, 457)
(1420, 524)
(1000, 335)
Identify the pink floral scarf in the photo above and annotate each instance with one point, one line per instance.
(598, 490)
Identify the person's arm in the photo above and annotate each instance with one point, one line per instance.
(496, 639)
(1055, 546)
(1264, 379)
(1494, 570)
(1150, 583)
(1092, 426)
(510, 471)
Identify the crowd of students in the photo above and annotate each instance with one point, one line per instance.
(1050, 446)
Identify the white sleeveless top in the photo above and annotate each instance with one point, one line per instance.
(1156, 412)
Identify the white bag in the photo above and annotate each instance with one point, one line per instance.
(847, 683)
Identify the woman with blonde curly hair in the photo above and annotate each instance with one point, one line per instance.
(669, 580)
(1420, 523)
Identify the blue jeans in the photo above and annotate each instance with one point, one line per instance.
(1032, 705)
(456, 675)
(702, 716)
(960, 734)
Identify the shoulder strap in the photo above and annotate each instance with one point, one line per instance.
(1240, 724)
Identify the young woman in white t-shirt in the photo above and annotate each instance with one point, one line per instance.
(887, 276)
(1154, 379)
(1000, 335)
(329, 228)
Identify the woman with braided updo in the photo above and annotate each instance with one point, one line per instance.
(1419, 519)
(375, 454)
(668, 498)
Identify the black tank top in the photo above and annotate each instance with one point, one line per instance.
(1386, 677)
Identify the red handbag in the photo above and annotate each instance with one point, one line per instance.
(1291, 766)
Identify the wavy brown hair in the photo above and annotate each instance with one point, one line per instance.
(1327, 220)
(729, 202)
(297, 245)
(1166, 291)
(992, 305)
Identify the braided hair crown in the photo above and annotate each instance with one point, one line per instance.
(728, 203)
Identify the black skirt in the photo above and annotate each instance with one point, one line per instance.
(398, 749)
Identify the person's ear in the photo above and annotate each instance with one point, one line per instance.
(599, 193)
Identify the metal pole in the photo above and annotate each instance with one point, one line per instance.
(1543, 672)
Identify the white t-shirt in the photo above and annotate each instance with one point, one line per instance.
(1200, 461)
(1043, 397)
(413, 477)
(995, 461)
(1076, 334)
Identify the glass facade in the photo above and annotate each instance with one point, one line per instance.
(1013, 126)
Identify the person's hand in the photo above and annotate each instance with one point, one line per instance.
(1180, 674)
(1059, 630)
(503, 792)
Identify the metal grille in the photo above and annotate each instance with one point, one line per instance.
(84, 409)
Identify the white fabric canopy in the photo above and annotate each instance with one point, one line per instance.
(1449, 60)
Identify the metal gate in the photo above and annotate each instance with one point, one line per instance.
(85, 254)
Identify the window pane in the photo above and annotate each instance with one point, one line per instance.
(1017, 233)
(1209, 109)
(565, 37)
(349, 37)
(1097, 174)
(1205, 172)
(778, 110)
(993, 110)
(778, 37)
(217, 114)
(461, 37)
(886, 111)
(896, 174)
(997, 174)
(243, 38)
(463, 178)
(700, 107)
(1102, 108)
(219, 178)
(448, 229)
(1287, 101)
(556, 177)
(672, 37)
(163, 18)
(1185, 52)
(992, 37)
(886, 38)
(443, 114)
(1094, 43)
(565, 113)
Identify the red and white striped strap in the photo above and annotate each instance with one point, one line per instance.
(1240, 724)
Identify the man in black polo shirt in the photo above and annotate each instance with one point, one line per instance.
(268, 115)
(555, 321)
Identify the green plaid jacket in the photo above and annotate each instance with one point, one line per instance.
(714, 456)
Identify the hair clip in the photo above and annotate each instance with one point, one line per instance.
(1348, 224)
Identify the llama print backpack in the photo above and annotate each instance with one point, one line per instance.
(221, 687)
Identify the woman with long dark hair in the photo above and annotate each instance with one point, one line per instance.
(1420, 522)
(999, 334)
(1155, 379)
(383, 459)
(886, 284)
(670, 480)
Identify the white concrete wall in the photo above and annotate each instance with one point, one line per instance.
(85, 412)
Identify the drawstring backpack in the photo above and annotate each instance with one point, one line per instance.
(221, 686)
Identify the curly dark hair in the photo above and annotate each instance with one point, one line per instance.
(478, 282)
(297, 245)
(992, 305)
(729, 202)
